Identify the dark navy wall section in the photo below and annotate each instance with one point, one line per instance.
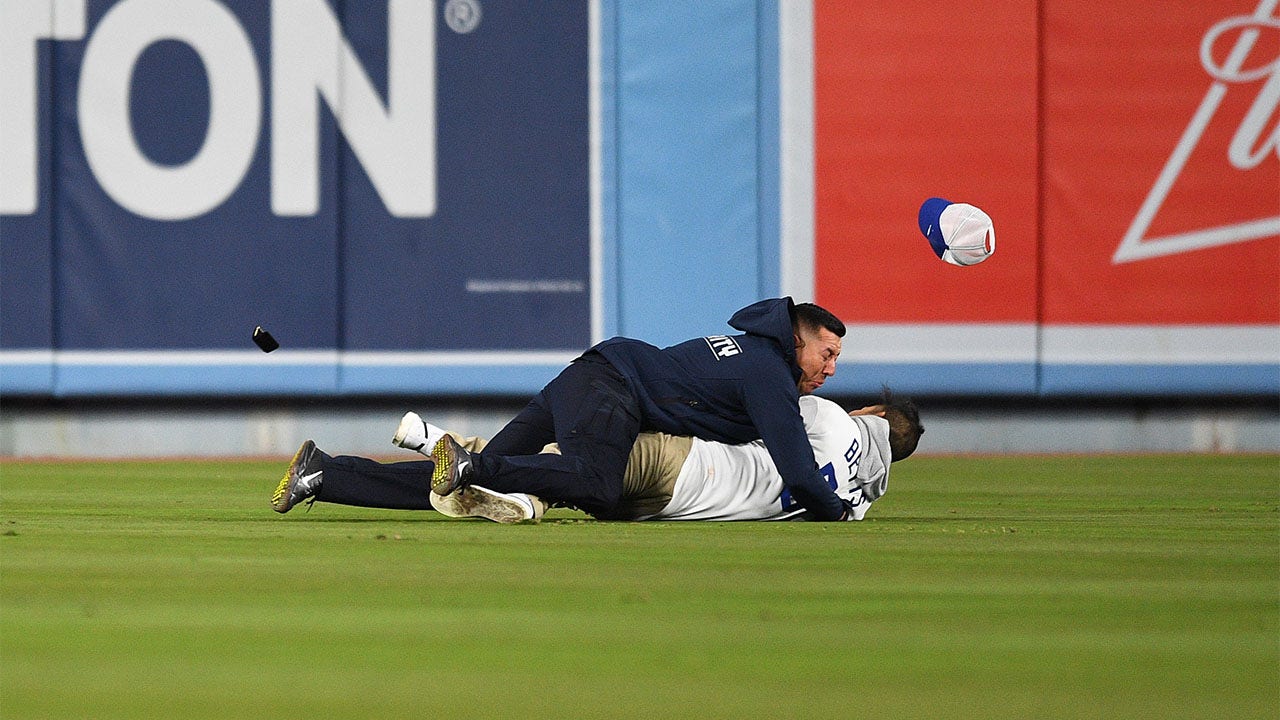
(504, 264)
(26, 268)
(128, 282)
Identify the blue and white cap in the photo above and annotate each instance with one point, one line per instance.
(958, 233)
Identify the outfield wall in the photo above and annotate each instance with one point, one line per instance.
(453, 198)
(219, 428)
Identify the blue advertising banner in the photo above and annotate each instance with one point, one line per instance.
(369, 180)
(26, 241)
(503, 260)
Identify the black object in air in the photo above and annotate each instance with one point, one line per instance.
(263, 340)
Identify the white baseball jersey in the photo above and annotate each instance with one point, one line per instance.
(739, 482)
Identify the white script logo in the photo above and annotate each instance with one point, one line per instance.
(1247, 150)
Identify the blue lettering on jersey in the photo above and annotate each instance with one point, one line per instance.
(828, 473)
(853, 457)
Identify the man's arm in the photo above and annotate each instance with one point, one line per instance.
(776, 416)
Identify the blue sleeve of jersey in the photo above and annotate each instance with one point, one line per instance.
(776, 415)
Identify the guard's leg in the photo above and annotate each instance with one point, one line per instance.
(528, 432)
(350, 480)
(595, 421)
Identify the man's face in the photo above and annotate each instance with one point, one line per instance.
(816, 353)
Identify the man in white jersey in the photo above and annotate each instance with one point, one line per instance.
(738, 482)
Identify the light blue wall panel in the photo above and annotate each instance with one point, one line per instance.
(1160, 380)
(768, 159)
(864, 381)
(688, 142)
(156, 378)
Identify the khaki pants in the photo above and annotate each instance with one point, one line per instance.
(652, 469)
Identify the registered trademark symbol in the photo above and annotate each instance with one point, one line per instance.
(462, 16)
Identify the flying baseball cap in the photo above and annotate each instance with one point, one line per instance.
(959, 233)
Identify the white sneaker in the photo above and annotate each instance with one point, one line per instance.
(475, 501)
(414, 434)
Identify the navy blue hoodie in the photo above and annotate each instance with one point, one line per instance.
(732, 389)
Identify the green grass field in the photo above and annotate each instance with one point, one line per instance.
(984, 587)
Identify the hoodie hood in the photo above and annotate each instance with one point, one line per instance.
(771, 319)
(873, 471)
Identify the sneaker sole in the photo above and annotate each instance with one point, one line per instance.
(285, 489)
(473, 501)
(442, 477)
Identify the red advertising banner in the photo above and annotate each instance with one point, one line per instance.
(1129, 154)
(1162, 174)
(916, 99)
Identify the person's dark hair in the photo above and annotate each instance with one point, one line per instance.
(811, 317)
(905, 428)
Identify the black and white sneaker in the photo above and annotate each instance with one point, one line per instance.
(301, 480)
(453, 466)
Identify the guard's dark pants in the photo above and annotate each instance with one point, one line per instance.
(590, 412)
(350, 480)
(588, 409)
